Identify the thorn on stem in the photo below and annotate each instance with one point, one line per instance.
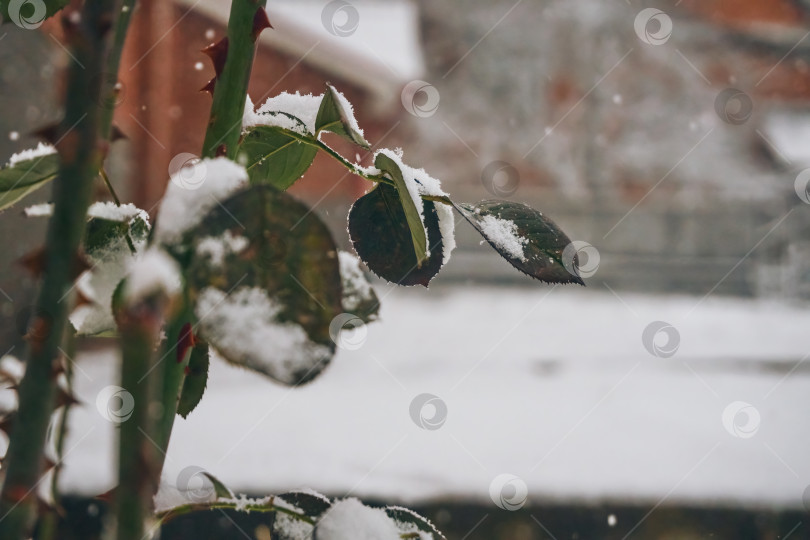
(260, 22)
(218, 53)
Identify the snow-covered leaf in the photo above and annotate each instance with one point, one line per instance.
(409, 522)
(359, 297)
(30, 14)
(409, 199)
(337, 115)
(24, 176)
(350, 519)
(382, 237)
(273, 156)
(269, 305)
(195, 381)
(526, 238)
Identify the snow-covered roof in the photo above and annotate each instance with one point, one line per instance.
(375, 45)
(787, 132)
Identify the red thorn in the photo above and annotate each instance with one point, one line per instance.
(187, 370)
(260, 22)
(49, 133)
(34, 262)
(116, 134)
(218, 53)
(209, 86)
(222, 150)
(185, 341)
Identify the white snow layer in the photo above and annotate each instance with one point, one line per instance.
(350, 519)
(218, 247)
(42, 149)
(153, 272)
(39, 210)
(349, 110)
(244, 327)
(356, 287)
(418, 183)
(110, 266)
(302, 106)
(552, 385)
(504, 234)
(186, 201)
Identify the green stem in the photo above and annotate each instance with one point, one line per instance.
(356, 169)
(106, 179)
(138, 459)
(72, 189)
(109, 92)
(230, 92)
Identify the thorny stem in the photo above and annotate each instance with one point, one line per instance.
(81, 159)
(110, 89)
(230, 91)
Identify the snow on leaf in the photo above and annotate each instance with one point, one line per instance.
(192, 192)
(527, 239)
(350, 519)
(27, 172)
(246, 328)
(336, 114)
(301, 107)
(358, 297)
(409, 522)
(381, 236)
(216, 247)
(153, 272)
(108, 243)
(285, 285)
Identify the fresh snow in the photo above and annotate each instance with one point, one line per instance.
(185, 204)
(110, 265)
(113, 212)
(302, 106)
(39, 210)
(356, 287)
(155, 271)
(350, 519)
(216, 248)
(418, 183)
(349, 110)
(244, 326)
(504, 234)
(550, 384)
(42, 149)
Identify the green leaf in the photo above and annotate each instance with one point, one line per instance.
(281, 278)
(220, 490)
(309, 503)
(274, 156)
(29, 14)
(195, 381)
(417, 228)
(382, 237)
(25, 177)
(335, 115)
(408, 521)
(535, 245)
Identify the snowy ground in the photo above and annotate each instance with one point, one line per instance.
(552, 385)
